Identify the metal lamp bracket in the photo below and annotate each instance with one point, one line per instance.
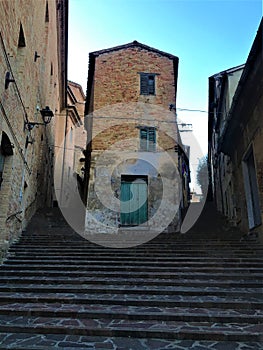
(8, 79)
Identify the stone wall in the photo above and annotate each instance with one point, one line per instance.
(117, 78)
(30, 50)
(117, 112)
(236, 145)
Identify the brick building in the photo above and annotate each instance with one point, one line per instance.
(136, 166)
(235, 140)
(33, 63)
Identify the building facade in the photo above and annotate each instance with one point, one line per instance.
(235, 140)
(70, 142)
(135, 161)
(33, 63)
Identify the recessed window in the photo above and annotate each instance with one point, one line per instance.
(21, 38)
(147, 84)
(148, 139)
(47, 13)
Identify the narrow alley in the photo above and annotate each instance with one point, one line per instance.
(199, 290)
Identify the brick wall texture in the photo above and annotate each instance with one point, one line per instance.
(118, 110)
(27, 27)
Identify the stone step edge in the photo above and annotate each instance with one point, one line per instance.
(108, 270)
(122, 262)
(154, 291)
(125, 267)
(165, 258)
(61, 248)
(129, 274)
(92, 299)
(214, 315)
(205, 334)
(17, 281)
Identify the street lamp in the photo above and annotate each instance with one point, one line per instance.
(46, 114)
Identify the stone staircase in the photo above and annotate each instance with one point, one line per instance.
(199, 290)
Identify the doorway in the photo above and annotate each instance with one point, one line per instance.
(134, 200)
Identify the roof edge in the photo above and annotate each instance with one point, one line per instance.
(134, 43)
(228, 71)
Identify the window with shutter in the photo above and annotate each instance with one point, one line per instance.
(151, 140)
(148, 139)
(147, 84)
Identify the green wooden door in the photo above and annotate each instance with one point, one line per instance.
(134, 208)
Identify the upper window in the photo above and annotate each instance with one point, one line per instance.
(21, 38)
(147, 138)
(147, 84)
(47, 13)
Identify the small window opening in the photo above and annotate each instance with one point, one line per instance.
(147, 84)
(47, 13)
(21, 39)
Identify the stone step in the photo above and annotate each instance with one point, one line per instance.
(125, 267)
(184, 255)
(106, 291)
(82, 272)
(173, 242)
(153, 264)
(27, 341)
(169, 246)
(215, 331)
(181, 299)
(16, 280)
(192, 261)
(10, 281)
(191, 313)
(146, 259)
(199, 291)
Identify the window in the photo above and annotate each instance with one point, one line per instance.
(147, 138)
(147, 84)
(21, 38)
(47, 13)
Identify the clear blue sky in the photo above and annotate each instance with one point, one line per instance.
(207, 36)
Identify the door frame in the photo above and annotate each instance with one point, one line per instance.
(130, 179)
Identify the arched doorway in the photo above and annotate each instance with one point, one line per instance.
(6, 149)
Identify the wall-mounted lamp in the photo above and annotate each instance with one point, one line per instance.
(29, 142)
(47, 115)
(171, 106)
(8, 79)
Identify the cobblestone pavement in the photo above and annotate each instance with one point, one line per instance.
(201, 290)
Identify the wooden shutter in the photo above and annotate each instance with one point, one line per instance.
(151, 85)
(144, 84)
(143, 139)
(151, 140)
(148, 139)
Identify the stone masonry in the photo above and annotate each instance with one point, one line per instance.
(32, 52)
(116, 110)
